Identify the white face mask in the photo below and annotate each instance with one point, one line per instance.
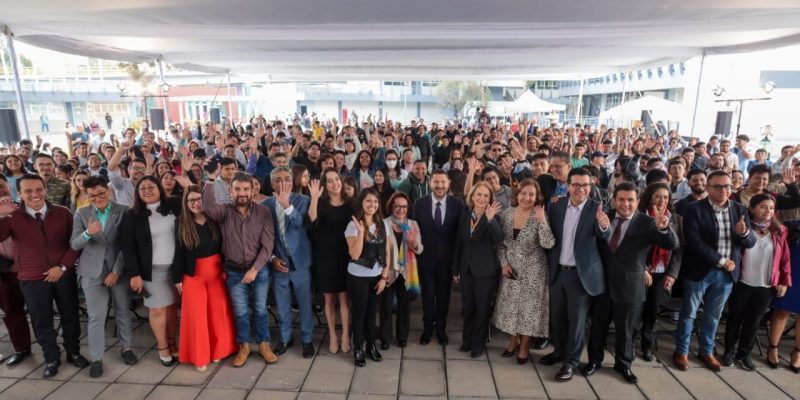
(391, 163)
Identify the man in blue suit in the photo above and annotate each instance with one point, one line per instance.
(291, 260)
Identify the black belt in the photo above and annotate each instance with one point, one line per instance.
(567, 267)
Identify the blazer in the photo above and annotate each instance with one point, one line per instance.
(476, 251)
(625, 268)
(103, 249)
(297, 251)
(137, 243)
(439, 242)
(587, 256)
(394, 248)
(700, 233)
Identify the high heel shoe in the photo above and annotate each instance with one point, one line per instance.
(166, 361)
(770, 363)
(507, 353)
(358, 355)
(794, 369)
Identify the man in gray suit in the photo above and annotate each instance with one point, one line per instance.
(95, 232)
(576, 270)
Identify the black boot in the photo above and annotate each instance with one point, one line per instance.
(373, 353)
(358, 354)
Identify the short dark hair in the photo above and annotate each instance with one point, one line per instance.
(225, 161)
(716, 174)
(242, 177)
(439, 171)
(43, 155)
(94, 181)
(656, 175)
(626, 187)
(578, 172)
(28, 177)
(693, 172)
(759, 169)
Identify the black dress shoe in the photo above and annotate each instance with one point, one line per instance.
(647, 355)
(425, 338)
(384, 344)
(17, 357)
(51, 369)
(476, 353)
(443, 339)
(401, 343)
(590, 368)
(129, 357)
(373, 353)
(358, 354)
(540, 343)
(727, 359)
(282, 347)
(564, 374)
(78, 360)
(464, 348)
(550, 359)
(308, 350)
(96, 369)
(627, 374)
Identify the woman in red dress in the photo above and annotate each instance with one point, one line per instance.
(207, 330)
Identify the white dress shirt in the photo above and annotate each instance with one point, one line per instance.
(571, 218)
(443, 200)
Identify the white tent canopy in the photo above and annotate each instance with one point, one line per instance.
(404, 40)
(662, 110)
(530, 103)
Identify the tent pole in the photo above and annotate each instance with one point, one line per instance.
(624, 96)
(697, 95)
(164, 92)
(12, 57)
(580, 103)
(230, 103)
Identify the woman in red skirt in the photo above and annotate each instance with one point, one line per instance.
(207, 330)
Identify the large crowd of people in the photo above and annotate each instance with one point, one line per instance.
(551, 234)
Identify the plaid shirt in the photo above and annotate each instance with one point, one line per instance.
(722, 219)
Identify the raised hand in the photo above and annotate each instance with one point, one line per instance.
(662, 222)
(789, 176)
(741, 226)
(184, 181)
(602, 218)
(94, 227)
(315, 189)
(359, 225)
(492, 210)
(7, 206)
(539, 214)
(282, 193)
(472, 163)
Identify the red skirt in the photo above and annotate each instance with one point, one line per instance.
(207, 328)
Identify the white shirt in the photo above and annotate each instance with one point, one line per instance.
(33, 212)
(434, 200)
(123, 188)
(571, 218)
(162, 230)
(356, 269)
(624, 228)
(757, 262)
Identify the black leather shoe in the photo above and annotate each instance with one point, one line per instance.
(373, 353)
(401, 343)
(464, 348)
(627, 374)
(425, 338)
(564, 374)
(281, 348)
(590, 368)
(727, 359)
(476, 353)
(51, 369)
(540, 343)
(550, 359)
(647, 355)
(17, 357)
(384, 344)
(308, 350)
(78, 360)
(358, 354)
(96, 369)
(129, 357)
(443, 339)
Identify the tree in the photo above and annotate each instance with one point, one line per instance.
(456, 95)
(139, 73)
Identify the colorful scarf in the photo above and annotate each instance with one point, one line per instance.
(408, 260)
(659, 258)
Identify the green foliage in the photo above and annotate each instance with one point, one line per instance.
(457, 95)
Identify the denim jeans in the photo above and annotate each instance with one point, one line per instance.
(242, 296)
(712, 292)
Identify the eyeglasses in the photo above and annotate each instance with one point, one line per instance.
(192, 201)
(578, 186)
(721, 187)
(97, 195)
(398, 207)
(148, 188)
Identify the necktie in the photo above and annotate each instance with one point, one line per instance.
(616, 236)
(437, 215)
(282, 223)
(38, 216)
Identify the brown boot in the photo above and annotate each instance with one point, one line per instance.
(710, 361)
(265, 350)
(681, 361)
(241, 357)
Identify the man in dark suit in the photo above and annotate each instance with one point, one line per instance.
(624, 258)
(437, 215)
(716, 231)
(576, 272)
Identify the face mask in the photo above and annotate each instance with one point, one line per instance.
(391, 163)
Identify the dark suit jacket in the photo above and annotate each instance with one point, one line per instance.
(700, 233)
(625, 268)
(587, 256)
(439, 242)
(137, 242)
(548, 186)
(476, 252)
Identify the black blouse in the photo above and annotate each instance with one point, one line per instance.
(207, 245)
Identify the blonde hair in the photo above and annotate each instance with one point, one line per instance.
(475, 188)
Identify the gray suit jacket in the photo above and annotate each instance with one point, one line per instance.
(104, 248)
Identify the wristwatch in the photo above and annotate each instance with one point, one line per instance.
(63, 268)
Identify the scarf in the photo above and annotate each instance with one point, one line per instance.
(659, 258)
(406, 259)
(759, 226)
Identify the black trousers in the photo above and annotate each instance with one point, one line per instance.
(436, 281)
(13, 305)
(627, 319)
(363, 306)
(476, 306)
(600, 319)
(746, 307)
(569, 304)
(652, 303)
(396, 290)
(39, 295)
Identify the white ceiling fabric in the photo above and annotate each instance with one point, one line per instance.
(298, 40)
(661, 109)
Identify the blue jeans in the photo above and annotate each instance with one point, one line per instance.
(242, 296)
(301, 285)
(712, 292)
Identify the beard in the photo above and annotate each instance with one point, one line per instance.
(242, 201)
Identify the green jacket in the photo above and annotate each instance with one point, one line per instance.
(414, 188)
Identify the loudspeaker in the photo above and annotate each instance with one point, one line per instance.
(647, 121)
(157, 119)
(9, 128)
(214, 115)
(723, 126)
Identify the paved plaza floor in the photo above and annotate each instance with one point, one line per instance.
(416, 372)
